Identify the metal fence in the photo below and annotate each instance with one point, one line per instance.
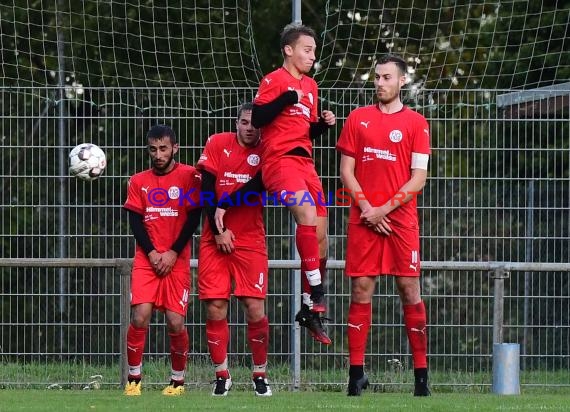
(498, 191)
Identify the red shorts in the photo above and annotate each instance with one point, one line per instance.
(370, 254)
(248, 268)
(293, 174)
(170, 292)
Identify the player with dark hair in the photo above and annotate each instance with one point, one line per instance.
(286, 110)
(232, 248)
(385, 149)
(163, 214)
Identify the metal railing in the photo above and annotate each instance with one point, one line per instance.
(498, 272)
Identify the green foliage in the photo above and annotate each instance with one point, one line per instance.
(214, 43)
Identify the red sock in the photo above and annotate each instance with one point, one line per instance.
(179, 346)
(415, 321)
(136, 338)
(218, 335)
(308, 247)
(258, 338)
(359, 320)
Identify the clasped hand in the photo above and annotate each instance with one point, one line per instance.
(162, 263)
(377, 219)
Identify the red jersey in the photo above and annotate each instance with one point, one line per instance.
(233, 166)
(290, 128)
(164, 202)
(382, 146)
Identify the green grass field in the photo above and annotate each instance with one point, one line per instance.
(58, 387)
(199, 400)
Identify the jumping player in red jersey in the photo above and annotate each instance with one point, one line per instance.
(286, 110)
(233, 248)
(162, 204)
(385, 151)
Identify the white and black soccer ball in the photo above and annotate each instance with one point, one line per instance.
(87, 161)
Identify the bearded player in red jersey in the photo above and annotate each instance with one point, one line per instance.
(162, 206)
(233, 248)
(285, 108)
(385, 151)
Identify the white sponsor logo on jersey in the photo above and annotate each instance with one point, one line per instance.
(238, 177)
(380, 153)
(365, 124)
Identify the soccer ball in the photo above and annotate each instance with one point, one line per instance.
(87, 161)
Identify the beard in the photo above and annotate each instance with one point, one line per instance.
(386, 98)
(162, 167)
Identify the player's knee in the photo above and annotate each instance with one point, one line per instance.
(217, 309)
(174, 322)
(362, 289)
(254, 309)
(139, 322)
(304, 215)
(409, 290)
(140, 318)
(410, 296)
(176, 326)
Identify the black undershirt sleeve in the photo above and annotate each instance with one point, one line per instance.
(263, 114)
(253, 185)
(139, 232)
(318, 128)
(190, 226)
(209, 186)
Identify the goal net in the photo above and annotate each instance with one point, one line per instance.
(181, 43)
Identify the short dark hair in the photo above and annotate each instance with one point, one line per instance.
(248, 106)
(292, 32)
(394, 58)
(158, 131)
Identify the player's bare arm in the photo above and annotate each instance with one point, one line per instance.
(225, 240)
(219, 219)
(348, 178)
(375, 217)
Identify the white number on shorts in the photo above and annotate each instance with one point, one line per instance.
(414, 256)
